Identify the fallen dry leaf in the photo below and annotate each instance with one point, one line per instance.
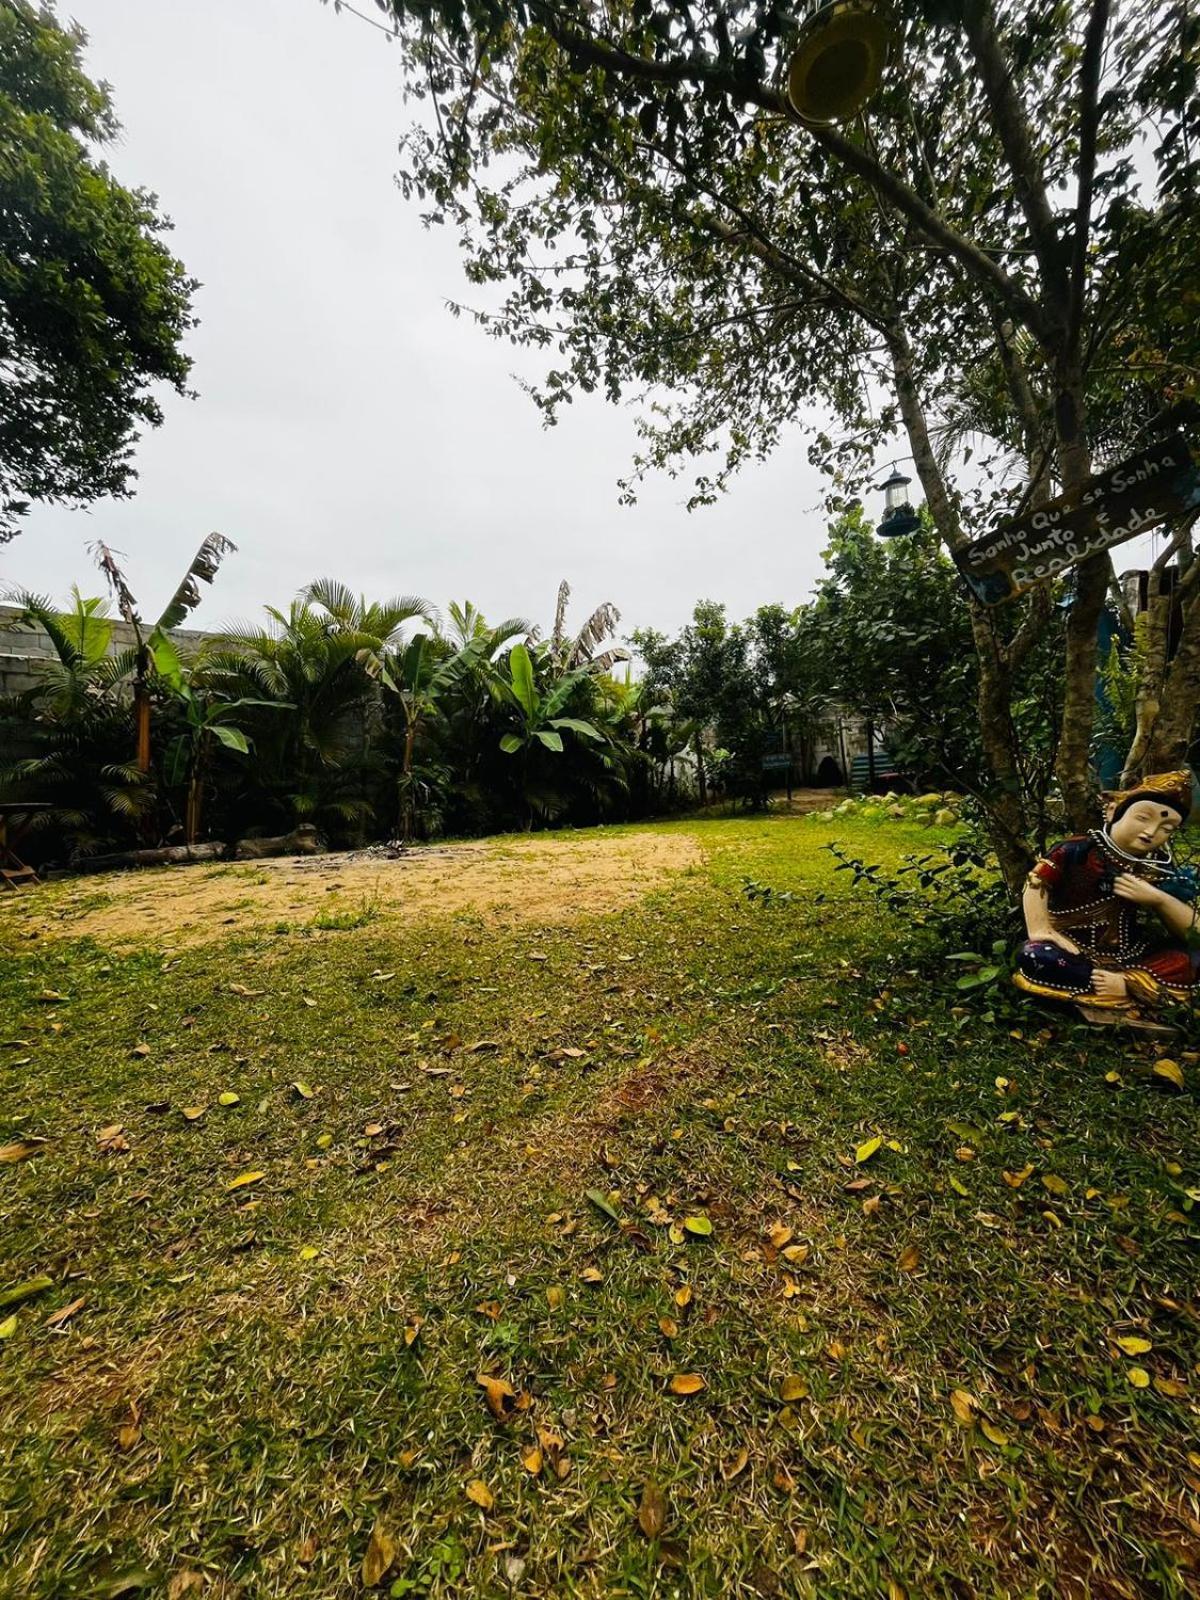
(244, 1179)
(1133, 1344)
(194, 1113)
(668, 1327)
(183, 1583)
(793, 1388)
(531, 1460)
(683, 1296)
(780, 1235)
(867, 1149)
(909, 1259)
(686, 1383)
(733, 1469)
(502, 1399)
(65, 1313)
(20, 1150)
(479, 1494)
(381, 1552)
(963, 1406)
(556, 1297)
(652, 1511)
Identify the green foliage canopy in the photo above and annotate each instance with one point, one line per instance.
(93, 306)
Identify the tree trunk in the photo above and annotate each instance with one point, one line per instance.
(1074, 764)
(195, 796)
(1003, 804)
(700, 778)
(406, 805)
(1175, 729)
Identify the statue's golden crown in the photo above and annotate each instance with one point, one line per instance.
(1173, 789)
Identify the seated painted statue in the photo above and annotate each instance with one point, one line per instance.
(1085, 905)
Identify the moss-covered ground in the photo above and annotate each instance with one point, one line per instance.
(784, 1279)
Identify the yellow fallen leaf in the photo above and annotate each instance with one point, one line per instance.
(479, 1494)
(243, 1179)
(591, 1275)
(793, 1388)
(686, 1383)
(324, 1140)
(1173, 1388)
(796, 1253)
(556, 1297)
(1054, 1183)
(910, 1258)
(1170, 1070)
(194, 1113)
(700, 1226)
(8, 1327)
(1138, 1377)
(308, 1252)
(779, 1236)
(1014, 1180)
(668, 1327)
(531, 1460)
(963, 1406)
(964, 1153)
(737, 1466)
(302, 1089)
(992, 1432)
(141, 1049)
(501, 1397)
(1133, 1344)
(412, 1331)
(867, 1149)
(683, 1296)
(381, 1552)
(228, 1098)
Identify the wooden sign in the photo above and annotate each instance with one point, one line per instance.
(1148, 489)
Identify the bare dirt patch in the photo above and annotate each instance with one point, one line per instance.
(542, 879)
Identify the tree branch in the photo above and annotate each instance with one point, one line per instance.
(1089, 120)
(1012, 128)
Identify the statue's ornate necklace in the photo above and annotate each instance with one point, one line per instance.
(1159, 865)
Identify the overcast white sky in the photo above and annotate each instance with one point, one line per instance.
(347, 424)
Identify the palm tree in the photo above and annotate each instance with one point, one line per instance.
(77, 717)
(418, 676)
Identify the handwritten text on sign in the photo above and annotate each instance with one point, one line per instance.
(1148, 489)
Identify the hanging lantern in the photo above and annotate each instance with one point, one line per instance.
(898, 514)
(838, 61)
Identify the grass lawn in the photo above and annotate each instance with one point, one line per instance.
(618, 1160)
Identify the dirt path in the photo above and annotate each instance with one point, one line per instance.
(546, 878)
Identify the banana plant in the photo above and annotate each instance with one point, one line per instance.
(539, 719)
(207, 721)
(203, 569)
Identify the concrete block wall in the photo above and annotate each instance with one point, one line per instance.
(24, 649)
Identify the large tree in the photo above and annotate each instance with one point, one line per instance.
(93, 306)
(1007, 217)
